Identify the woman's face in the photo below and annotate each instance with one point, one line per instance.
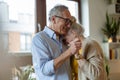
(71, 35)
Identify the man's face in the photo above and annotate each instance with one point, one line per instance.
(63, 23)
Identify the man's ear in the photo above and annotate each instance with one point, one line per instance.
(53, 19)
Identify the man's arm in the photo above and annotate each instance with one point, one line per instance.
(74, 47)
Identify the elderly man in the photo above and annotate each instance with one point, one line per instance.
(50, 57)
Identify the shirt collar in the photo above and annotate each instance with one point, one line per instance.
(50, 32)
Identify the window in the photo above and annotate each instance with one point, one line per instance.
(43, 7)
(5, 39)
(18, 22)
(72, 5)
(25, 41)
(18, 19)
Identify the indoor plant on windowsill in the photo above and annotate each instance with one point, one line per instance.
(25, 73)
(111, 28)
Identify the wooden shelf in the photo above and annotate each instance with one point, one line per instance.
(114, 45)
(111, 50)
(114, 2)
(115, 14)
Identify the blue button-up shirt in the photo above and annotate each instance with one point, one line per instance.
(45, 48)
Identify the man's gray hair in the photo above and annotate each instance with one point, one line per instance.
(57, 10)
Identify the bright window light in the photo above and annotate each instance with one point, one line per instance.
(72, 5)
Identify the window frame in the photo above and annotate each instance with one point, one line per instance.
(41, 13)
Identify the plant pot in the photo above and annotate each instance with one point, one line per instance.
(114, 39)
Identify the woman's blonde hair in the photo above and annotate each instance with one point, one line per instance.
(76, 27)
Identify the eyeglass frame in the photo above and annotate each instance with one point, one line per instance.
(67, 20)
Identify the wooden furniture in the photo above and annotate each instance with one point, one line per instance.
(112, 54)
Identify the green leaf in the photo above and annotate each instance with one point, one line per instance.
(111, 27)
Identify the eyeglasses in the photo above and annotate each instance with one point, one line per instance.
(67, 21)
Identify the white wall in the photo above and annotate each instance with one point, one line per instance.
(93, 17)
(85, 16)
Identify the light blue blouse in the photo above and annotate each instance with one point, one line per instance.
(45, 48)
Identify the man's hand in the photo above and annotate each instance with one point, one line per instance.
(75, 45)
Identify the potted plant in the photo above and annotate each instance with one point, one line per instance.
(111, 28)
(24, 73)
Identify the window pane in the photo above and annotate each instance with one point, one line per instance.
(18, 17)
(28, 41)
(5, 41)
(25, 40)
(22, 42)
(72, 5)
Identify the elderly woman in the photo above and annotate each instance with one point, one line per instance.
(90, 59)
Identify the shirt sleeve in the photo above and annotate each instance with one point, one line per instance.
(42, 59)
